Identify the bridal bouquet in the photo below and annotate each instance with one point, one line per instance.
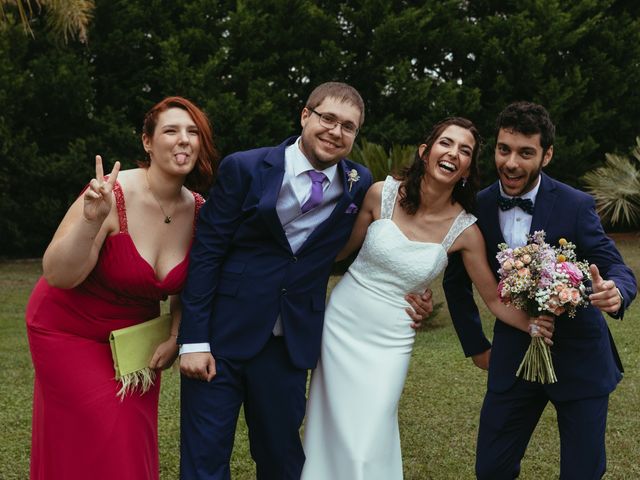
(541, 279)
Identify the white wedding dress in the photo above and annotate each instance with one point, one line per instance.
(351, 430)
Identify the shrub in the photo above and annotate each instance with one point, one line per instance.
(380, 162)
(616, 189)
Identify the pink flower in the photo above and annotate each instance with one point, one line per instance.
(554, 305)
(564, 295)
(508, 265)
(576, 298)
(503, 292)
(559, 311)
(573, 272)
(523, 272)
(526, 259)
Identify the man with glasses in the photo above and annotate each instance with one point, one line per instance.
(254, 300)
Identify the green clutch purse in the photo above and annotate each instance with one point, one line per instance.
(132, 349)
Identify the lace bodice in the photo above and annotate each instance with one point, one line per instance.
(391, 265)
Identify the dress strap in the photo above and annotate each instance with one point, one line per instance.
(389, 194)
(122, 211)
(199, 202)
(463, 221)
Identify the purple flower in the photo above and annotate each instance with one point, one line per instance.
(351, 209)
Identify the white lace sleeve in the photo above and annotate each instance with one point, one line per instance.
(463, 221)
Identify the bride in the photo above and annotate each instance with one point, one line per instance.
(406, 227)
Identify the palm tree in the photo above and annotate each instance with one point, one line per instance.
(67, 18)
(616, 188)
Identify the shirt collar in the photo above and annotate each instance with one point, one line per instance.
(300, 164)
(531, 194)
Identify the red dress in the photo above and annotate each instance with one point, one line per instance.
(81, 429)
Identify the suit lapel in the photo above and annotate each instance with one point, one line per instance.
(491, 222)
(271, 183)
(545, 202)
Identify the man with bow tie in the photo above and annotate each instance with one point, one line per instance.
(254, 300)
(586, 362)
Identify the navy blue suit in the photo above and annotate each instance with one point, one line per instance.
(243, 275)
(584, 355)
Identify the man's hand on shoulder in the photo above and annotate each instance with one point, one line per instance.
(198, 366)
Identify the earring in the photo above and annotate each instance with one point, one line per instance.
(464, 182)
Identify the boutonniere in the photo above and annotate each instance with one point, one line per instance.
(352, 177)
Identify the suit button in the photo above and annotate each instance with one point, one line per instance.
(283, 291)
(295, 259)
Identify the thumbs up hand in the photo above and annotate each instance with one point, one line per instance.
(605, 296)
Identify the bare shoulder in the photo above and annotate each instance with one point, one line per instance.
(375, 190)
(372, 200)
(131, 179)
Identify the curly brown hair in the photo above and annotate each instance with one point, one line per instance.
(528, 118)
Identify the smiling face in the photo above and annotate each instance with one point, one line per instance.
(450, 155)
(519, 160)
(322, 146)
(175, 143)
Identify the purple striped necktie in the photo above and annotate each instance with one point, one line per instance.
(315, 199)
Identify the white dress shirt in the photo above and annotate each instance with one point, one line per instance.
(516, 223)
(296, 166)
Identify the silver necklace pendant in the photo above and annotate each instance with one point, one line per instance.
(167, 219)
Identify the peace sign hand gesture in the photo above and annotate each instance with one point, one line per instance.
(97, 197)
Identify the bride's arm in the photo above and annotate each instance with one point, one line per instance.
(369, 212)
(472, 245)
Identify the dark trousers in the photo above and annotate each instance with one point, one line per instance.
(273, 393)
(507, 421)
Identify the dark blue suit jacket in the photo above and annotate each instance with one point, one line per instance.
(242, 272)
(584, 354)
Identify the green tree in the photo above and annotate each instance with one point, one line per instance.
(251, 64)
(573, 57)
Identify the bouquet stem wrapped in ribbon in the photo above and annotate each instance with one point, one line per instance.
(541, 279)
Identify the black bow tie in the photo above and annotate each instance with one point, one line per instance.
(508, 203)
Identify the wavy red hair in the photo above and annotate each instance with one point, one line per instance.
(203, 174)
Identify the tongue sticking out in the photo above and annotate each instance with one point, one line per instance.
(181, 158)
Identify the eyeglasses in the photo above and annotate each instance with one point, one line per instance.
(329, 121)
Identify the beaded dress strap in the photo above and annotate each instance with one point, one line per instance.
(122, 211)
(463, 221)
(389, 194)
(199, 202)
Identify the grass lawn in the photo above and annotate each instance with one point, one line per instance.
(438, 413)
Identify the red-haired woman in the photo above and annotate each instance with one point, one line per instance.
(121, 248)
